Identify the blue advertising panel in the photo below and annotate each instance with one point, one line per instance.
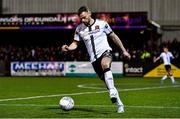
(37, 68)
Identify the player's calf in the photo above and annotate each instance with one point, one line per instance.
(113, 95)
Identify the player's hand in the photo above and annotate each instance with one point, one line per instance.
(64, 48)
(126, 54)
(154, 60)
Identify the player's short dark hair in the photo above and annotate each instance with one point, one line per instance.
(165, 46)
(83, 9)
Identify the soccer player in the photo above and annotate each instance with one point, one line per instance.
(166, 55)
(94, 33)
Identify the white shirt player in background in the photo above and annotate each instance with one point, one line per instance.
(94, 32)
(166, 56)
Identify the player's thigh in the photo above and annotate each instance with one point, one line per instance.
(106, 62)
(98, 68)
(168, 69)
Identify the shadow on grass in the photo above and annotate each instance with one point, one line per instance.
(78, 109)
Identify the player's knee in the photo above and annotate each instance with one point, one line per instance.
(105, 66)
(170, 74)
(106, 70)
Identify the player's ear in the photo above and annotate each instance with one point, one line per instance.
(89, 12)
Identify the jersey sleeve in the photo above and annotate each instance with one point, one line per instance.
(161, 55)
(76, 35)
(107, 29)
(171, 55)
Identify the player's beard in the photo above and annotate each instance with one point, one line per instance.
(87, 23)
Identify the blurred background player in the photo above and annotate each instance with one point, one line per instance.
(94, 33)
(166, 56)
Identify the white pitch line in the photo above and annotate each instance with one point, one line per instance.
(159, 107)
(83, 93)
(48, 105)
(56, 95)
(27, 105)
(96, 86)
(93, 86)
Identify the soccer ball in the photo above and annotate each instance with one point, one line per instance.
(66, 103)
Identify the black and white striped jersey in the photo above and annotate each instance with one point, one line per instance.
(94, 37)
(166, 57)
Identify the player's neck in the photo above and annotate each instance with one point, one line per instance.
(91, 22)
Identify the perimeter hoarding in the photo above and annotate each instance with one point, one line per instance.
(159, 71)
(133, 70)
(86, 69)
(121, 20)
(37, 69)
(82, 69)
(150, 69)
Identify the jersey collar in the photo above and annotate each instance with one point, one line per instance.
(91, 24)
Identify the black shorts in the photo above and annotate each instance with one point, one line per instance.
(168, 67)
(97, 64)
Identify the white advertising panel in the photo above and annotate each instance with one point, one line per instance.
(86, 69)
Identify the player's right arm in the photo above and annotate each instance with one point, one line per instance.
(156, 59)
(71, 47)
(74, 44)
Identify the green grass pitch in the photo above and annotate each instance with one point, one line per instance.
(38, 97)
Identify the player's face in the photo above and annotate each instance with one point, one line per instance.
(165, 49)
(85, 17)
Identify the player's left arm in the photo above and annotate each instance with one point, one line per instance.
(172, 56)
(118, 42)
